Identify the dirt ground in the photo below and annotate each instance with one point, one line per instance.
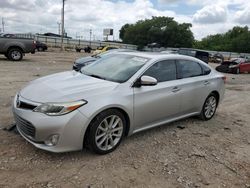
(188, 153)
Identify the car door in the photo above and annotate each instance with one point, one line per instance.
(245, 66)
(153, 104)
(194, 85)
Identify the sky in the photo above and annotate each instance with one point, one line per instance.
(39, 16)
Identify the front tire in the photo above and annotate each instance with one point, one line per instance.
(15, 54)
(209, 107)
(237, 71)
(106, 131)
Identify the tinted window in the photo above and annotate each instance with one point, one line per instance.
(187, 69)
(162, 71)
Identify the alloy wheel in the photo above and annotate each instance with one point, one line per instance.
(109, 132)
(210, 107)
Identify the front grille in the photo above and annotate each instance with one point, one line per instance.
(25, 127)
(26, 106)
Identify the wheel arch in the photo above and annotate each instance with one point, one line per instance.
(217, 94)
(127, 118)
(15, 47)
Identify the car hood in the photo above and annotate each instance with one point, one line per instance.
(85, 60)
(65, 87)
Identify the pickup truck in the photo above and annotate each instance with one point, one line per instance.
(15, 48)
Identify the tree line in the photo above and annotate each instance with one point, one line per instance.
(166, 32)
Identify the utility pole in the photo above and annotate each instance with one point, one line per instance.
(62, 30)
(90, 35)
(59, 28)
(3, 24)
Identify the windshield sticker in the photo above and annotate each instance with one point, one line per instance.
(140, 59)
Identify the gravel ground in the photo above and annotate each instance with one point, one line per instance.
(187, 153)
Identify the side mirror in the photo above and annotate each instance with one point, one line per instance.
(145, 81)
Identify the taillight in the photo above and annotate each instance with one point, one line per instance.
(224, 78)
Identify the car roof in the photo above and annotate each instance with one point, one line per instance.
(158, 55)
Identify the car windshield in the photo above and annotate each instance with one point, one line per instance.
(237, 60)
(117, 68)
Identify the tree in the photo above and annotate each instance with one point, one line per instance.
(234, 40)
(162, 30)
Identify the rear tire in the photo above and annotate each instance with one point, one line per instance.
(106, 131)
(40, 49)
(209, 107)
(15, 54)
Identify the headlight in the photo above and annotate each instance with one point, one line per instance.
(57, 109)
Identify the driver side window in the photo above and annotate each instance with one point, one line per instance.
(162, 71)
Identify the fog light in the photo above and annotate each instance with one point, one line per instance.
(52, 140)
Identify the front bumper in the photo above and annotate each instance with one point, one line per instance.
(70, 128)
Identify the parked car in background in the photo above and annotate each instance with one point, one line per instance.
(15, 48)
(235, 65)
(114, 97)
(81, 62)
(8, 35)
(200, 54)
(104, 49)
(41, 46)
(87, 49)
(217, 58)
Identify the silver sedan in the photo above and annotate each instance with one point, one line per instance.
(115, 97)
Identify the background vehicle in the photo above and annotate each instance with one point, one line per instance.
(235, 65)
(104, 49)
(41, 46)
(87, 49)
(217, 58)
(15, 48)
(81, 62)
(202, 55)
(116, 96)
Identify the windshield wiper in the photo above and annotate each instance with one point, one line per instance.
(96, 76)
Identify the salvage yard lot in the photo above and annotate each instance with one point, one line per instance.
(187, 153)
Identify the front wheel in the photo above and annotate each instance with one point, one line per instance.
(237, 71)
(15, 54)
(106, 131)
(209, 107)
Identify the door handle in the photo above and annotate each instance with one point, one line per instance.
(176, 89)
(206, 83)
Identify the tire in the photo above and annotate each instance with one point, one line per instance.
(237, 71)
(209, 107)
(101, 137)
(15, 54)
(40, 49)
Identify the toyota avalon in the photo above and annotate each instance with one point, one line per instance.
(115, 97)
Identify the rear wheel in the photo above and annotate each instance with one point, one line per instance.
(40, 49)
(209, 107)
(15, 54)
(106, 131)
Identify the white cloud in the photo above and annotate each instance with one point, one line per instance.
(211, 14)
(80, 16)
(243, 16)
